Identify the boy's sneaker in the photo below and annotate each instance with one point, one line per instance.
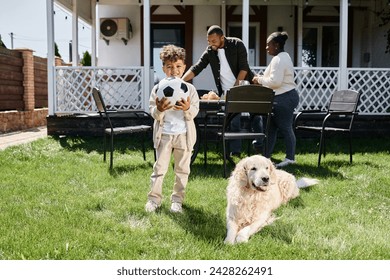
(151, 206)
(176, 207)
(285, 162)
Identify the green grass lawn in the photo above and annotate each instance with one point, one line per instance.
(58, 200)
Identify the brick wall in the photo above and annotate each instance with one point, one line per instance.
(21, 120)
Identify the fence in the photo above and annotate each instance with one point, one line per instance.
(23, 80)
(40, 82)
(23, 90)
(11, 80)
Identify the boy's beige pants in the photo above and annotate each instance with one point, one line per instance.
(182, 159)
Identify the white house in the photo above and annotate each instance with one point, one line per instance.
(334, 44)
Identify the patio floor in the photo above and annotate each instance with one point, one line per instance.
(21, 137)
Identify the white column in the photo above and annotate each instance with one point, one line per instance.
(300, 34)
(50, 56)
(75, 35)
(223, 16)
(93, 33)
(245, 24)
(147, 66)
(343, 52)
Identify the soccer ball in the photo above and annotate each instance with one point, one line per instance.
(172, 88)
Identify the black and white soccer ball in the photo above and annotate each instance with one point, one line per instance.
(172, 88)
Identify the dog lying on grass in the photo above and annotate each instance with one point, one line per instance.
(255, 189)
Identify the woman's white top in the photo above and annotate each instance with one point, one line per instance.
(279, 75)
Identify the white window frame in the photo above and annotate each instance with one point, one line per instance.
(319, 26)
(256, 25)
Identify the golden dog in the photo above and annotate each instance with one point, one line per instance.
(255, 189)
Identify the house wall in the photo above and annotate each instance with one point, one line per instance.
(130, 55)
(283, 20)
(369, 43)
(117, 53)
(204, 16)
(380, 59)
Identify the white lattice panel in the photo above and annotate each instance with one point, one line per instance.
(121, 88)
(374, 84)
(315, 86)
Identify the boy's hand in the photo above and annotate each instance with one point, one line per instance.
(182, 104)
(163, 104)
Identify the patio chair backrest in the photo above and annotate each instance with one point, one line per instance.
(249, 98)
(97, 96)
(344, 101)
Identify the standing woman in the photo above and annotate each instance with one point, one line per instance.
(279, 76)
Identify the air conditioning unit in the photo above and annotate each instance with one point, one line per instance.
(115, 28)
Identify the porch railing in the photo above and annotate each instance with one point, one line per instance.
(315, 86)
(123, 88)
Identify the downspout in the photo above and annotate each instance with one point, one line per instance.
(147, 67)
(343, 74)
(50, 56)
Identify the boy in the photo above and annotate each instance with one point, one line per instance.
(173, 131)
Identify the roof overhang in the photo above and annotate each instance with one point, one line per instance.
(84, 8)
(234, 2)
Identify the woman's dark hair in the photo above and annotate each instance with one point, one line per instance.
(278, 37)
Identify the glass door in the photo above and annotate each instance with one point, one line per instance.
(320, 46)
(161, 35)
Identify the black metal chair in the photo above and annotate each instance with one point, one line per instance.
(339, 118)
(210, 111)
(110, 130)
(199, 124)
(253, 99)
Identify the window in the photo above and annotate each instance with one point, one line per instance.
(320, 45)
(235, 30)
